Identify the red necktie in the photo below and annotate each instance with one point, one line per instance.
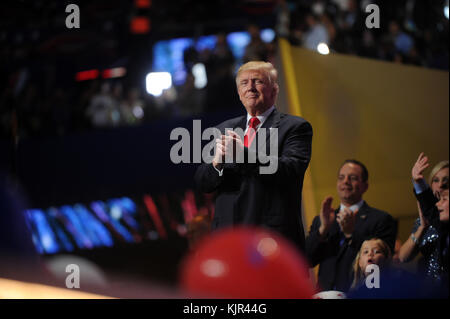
(251, 132)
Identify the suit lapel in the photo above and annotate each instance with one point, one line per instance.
(335, 230)
(273, 121)
(238, 123)
(241, 123)
(361, 218)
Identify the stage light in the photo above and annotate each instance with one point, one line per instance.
(140, 25)
(199, 72)
(267, 35)
(446, 9)
(143, 4)
(138, 111)
(116, 213)
(114, 73)
(86, 75)
(322, 48)
(155, 216)
(157, 82)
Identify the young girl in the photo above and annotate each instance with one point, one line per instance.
(394, 283)
(372, 251)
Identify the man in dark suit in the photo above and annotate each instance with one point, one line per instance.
(245, 194)
(336, 236)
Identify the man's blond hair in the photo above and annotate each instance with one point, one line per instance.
(266, 67)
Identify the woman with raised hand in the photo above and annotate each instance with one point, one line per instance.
(429, 235)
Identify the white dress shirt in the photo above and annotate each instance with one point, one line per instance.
(354, 207)
(262, 118)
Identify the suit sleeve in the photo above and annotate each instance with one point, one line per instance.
(315, 247)
(207, 178)
(294, 159)
(291, 165)
(427, 202)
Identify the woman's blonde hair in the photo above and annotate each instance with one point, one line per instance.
(357, 271)
(437, 168)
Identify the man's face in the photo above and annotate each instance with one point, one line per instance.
(350, 185)
(255, 91)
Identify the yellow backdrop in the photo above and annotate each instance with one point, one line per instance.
(381, 113)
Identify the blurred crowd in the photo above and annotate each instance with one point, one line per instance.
(40, 97)
(411, 32)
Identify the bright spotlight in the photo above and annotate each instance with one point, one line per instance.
(446, 11)
(199, 72)
(138, 111)
(322, 48)
(157, 82)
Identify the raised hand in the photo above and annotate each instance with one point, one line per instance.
(418, 168)
(326, 215)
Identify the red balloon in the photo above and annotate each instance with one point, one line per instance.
(246, 263)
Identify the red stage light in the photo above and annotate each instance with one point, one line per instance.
(143, 4)
(140, 25)
(114, 73)
(154, 215)
(86, 75)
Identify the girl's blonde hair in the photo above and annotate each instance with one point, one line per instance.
(357, 271)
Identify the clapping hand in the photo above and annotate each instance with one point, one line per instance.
(327, 215)
(346, 220)
(225, 148)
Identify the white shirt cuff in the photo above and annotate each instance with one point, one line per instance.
(220, 172)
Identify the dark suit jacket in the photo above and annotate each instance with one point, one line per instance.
(336, 256)
(244, 196)
(427, 202)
